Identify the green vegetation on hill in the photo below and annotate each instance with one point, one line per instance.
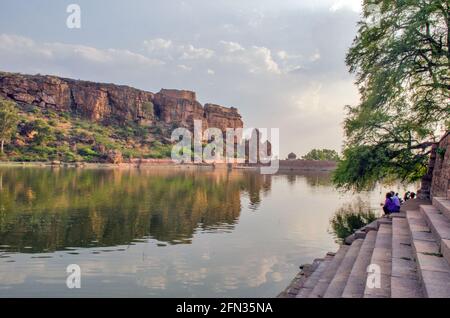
(401, 60)
(41, 134)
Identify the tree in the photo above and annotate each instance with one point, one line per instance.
(321, 154)
(8, 121)
(401, 60)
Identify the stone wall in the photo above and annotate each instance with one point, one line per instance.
(302, 165)
(440, 181)
(436, 181)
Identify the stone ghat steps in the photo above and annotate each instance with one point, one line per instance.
(405, 282)
(345, 274)
(337, 284)
(312, 280)
(382, 259)
(329, 273)
(410, 251)
(443, 205)
(356, 282)
(433, 268)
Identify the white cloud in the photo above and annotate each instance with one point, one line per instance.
(257, 59)
(353, 5)
(315, 56)
(15, 47)
(210, 72)
(167, 49)
(157, 44)
(265, 56)
(231, 47)
(290, 62)
(192, 53)
(14, 43)
(185, 67)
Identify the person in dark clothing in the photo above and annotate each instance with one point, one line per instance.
(406, 196)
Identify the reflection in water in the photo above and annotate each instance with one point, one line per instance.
(313, 178)
(48, 210)
(161, 232)
(351, 217)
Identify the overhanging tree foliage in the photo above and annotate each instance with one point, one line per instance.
(401, 60)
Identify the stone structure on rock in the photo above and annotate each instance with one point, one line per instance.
(104, 103)
(257, 151)
(292, 156)
(441, 171)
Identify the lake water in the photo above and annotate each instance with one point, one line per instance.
(162, 232)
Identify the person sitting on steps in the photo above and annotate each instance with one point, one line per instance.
(389, 205)
(396, 201)
(406, 197)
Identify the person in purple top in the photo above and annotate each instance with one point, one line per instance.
(396, 200)
(389, 205)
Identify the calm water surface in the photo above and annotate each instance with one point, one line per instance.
(161, 232)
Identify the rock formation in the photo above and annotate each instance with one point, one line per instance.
(105, 103)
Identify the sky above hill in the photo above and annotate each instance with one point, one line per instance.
(281, 63)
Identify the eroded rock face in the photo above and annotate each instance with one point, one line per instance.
(222, 117)
(179, 108)
(102, 102)
(94, 101)
(44, 91)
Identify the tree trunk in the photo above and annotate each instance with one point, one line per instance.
(2, 143)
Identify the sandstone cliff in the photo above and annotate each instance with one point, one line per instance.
(73, 120)
(106, 103)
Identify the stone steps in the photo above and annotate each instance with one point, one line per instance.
(322, 285)
(443, 205)
(356, 282)
(312, 280)
(382, 257)
(432, 267)
(405, 281)
(411, 253)
(438, 223)
(337, 284)
(441, 225)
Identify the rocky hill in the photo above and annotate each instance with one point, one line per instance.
(73, 120)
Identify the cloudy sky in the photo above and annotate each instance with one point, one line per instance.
(281, 63)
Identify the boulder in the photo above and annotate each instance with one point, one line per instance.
(114, 156)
